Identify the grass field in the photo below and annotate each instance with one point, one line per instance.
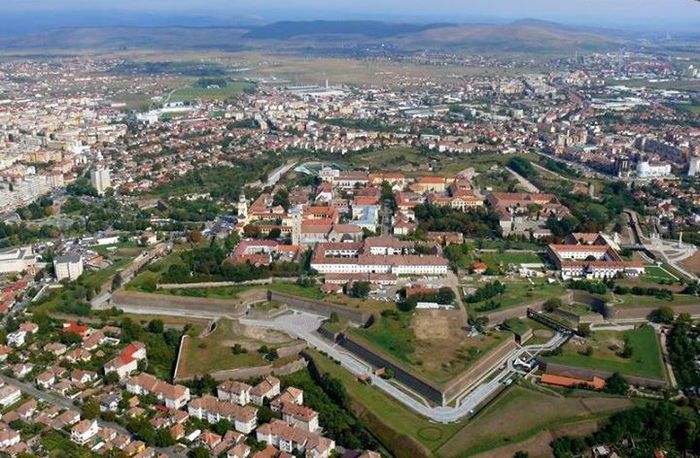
(645, 360)
(504, 259)
(656, 273)
(522, 412)
(206, 94)
(520, 293)
(211, 353)
(631, 300)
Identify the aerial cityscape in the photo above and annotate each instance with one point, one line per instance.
(350, 229)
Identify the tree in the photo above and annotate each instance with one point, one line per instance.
(199, 452)
(616, 384)
(91, 410)
(111, 378)
(663, 314)
(70, 338)
(584, 329)
(251, 231)
(360, 289)
(156, 326)
(195, 236)
(164, 438)
(551, 304)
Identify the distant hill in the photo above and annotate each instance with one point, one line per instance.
(114, 38)
(519, 36)
(374, 29)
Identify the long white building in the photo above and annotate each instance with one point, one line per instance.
(368, 258)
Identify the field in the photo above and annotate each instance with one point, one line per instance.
(522, 412)
(519, 292)
(645, 360)
(503, 259)
(631, 300)
(695, 109)
(206, 94)
(433, 343)
(214, 352)
(656, 274)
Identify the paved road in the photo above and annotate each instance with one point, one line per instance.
(66, 403)
(304, 325)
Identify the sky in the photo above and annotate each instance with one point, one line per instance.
(654, 14)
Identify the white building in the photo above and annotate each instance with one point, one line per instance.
(82, 432)
(100, 180)
(69, 266)
(646, 169)
(694, 166)
(16, 339)
(9, 395)
(17, 260)
(243, 418)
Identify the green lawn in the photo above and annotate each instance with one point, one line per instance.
(695, 109)
(504, 259)
(152, 274)
(645, 361)
(203, 355)
(310, 292)
(518, 326)
(631, 300)
(520, 293)
(388, 158)
(394, 336)
(656, 273)
(223, 93)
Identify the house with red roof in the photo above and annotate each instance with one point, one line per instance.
(127, 361)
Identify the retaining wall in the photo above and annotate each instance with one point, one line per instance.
(588, 374)
(416, 383)
(642, 313)
(138, 302)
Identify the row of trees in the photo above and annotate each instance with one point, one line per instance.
(488, 291)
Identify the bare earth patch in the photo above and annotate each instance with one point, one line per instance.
(692, 263)
(437, 325)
